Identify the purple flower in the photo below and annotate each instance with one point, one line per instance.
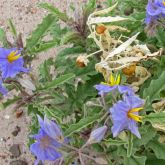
(3, 90)
(11, 62)
(125, 116)
(123, 89)
(97, 135)
(155, 9)
(112, 84)
(45, 148)
(51, 128)
(48, 140)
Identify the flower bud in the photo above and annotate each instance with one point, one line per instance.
(100, 29)
(97, 135)
(82, 61)
(27, 84)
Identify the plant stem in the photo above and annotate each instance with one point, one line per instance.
(94, 53)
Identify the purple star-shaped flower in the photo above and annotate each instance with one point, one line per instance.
(49, 139)
(45, 148)
(11, 62)
(124, 115)
(123, 89)
(155, 9)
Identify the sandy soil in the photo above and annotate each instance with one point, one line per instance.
(26, 15)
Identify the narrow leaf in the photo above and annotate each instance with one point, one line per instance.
(89, 7)
(158, 149)
(40, 31)
(3, 38)
(155, 117)
(130, 145)
(83, 123)
(55, 11)
(155, 87)
(44, 46)
(71, 37)
(58, 81)
(12, 27)
(111, 142)
(135, 160)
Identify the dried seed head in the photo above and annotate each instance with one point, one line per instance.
(100, 29)
(129, 71)
(82, 61)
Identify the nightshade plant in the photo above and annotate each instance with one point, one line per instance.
(100, 100)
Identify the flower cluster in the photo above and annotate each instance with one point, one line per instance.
(48, 141)
(11, 63)
(124, 113)
(155, 10)
(111, 85)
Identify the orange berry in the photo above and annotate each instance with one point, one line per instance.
(100, 29)
(82, 61)
(129, 71)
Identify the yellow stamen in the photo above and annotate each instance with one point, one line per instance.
(164, 2)
(112, 81)
(118, 80)
(12, 56)
(136, 109)
(134, 116)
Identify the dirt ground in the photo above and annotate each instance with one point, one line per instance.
(14, 131)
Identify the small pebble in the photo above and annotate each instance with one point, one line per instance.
(19, 113)
(16, 131)
(7, 117)
(18, 162)
(15, 150)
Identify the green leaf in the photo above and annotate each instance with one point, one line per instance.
(154, 89)
(111, 142)
(44, 46)
(135, 160)
(10, 101)
(72, 37)
(12, 27)
(53, 113)
(155, 117)
(3, 38)
(90, 7)
(58, 81)
(147, 133)
(83, 123)
(160, 37)
(40, 32)
(154, 161)
(130, 144)
(109, 3)
(44, 71)
(55, 11)
(158, 148)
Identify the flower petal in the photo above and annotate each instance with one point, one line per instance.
(123, 89)
(132, 126)
(52, 129)
(118, 127)
(102, 88)
(134, 101)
